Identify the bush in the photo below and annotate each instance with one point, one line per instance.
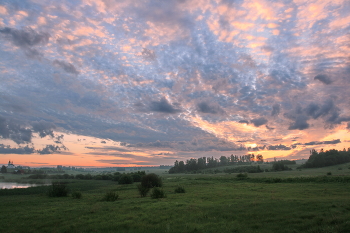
(242, 175)
(110, 196)
(136, 176)
(157, 193)
(77, 195)
(279, 166)
(143, 190)
(151, 180)
(180, 189)
(329, 173)
(125, 179)
(58, 189)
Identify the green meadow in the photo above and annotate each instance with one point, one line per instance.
(306, 200)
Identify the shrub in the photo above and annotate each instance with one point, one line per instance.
(151, 180)
(180, 189)
(110, 196)
(242, 175)
(279, 166)
(143, 190)
(77, 195)
(58, 189)
(157, 193)
(329, 173)
(136, 176)
(125, 179)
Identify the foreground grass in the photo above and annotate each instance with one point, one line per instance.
(212, 203)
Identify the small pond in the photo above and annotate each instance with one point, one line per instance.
(13, 185)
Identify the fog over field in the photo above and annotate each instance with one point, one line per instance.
(144, 82)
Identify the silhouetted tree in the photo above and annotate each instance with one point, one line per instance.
(259, 158)
(327, 158)
(3, 169)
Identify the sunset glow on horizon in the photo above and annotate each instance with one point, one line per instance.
(105, 83)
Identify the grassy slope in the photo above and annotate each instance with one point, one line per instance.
(212, 203)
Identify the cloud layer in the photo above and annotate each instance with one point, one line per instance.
(180, 76)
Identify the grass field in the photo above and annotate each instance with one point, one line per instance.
(212, 203)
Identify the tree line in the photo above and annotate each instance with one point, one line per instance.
(203, 162)
(327, 158)
(121, 178)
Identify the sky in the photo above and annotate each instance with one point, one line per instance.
(108, 83)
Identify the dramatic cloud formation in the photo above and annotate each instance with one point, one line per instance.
(146, 82)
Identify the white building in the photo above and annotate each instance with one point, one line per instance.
(10, 165)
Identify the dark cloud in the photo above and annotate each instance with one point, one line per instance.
(300, 123)
(206, 108)
(120, 162)
(26, 37)
(21, 135)
(104, 142)
(68, 67)
(162, 144)
(49, 149)
(315, 111)
(335, 118)
(109, 148)
(14, 131)
(323, 78)
(59, 137)
(243, 122)
(278, 147)
(4, 130)
(44, 128)
(163, 106)
(336, 141)
(276, 108)
(205, 145)
(20, 150)
(312, 109)
(259, 121)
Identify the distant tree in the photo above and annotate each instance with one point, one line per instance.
(125, 179)
(151, 180)
(181, 166)
(279, 166)
(191, 165)
(201, 163)
(259, 158)
(327, 158)
(3, 169)
(223, 161)
(287, 162)
(212, 162)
